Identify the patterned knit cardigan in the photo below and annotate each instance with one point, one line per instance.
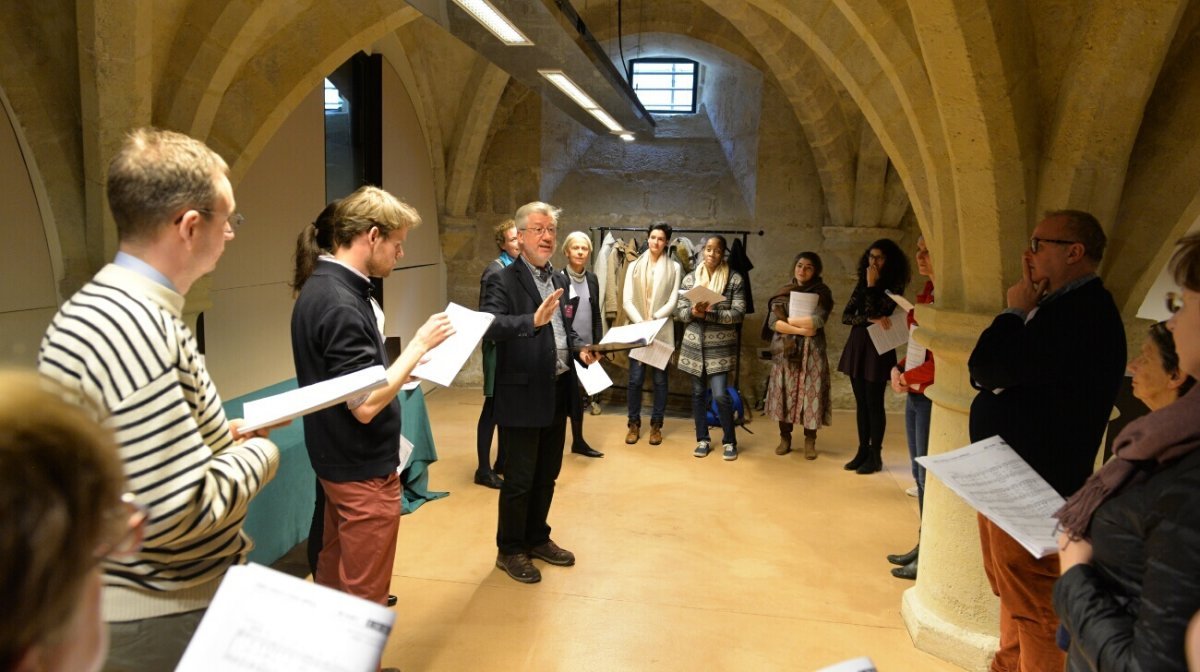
(710, 343)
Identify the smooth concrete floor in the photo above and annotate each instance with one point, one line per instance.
(763, 563)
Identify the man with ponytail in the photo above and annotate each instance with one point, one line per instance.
(337, 328)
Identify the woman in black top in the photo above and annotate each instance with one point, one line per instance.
(882, 266)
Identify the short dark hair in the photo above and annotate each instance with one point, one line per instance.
(1164, 340)
(660, 226)
(1185, 263)
(155, 175)
(1086, 229)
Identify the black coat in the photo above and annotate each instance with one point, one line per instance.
(1129, 609)
(525, 357)
(1059, 373)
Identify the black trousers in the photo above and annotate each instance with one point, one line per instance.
(871, 415)
(533, 457)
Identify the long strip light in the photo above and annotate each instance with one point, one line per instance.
(499, 25)
(565, 84)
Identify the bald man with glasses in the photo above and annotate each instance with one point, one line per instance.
(1047, 371)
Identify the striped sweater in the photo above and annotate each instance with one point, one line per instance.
(122, 351)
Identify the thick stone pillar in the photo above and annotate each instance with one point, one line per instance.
(951, 612)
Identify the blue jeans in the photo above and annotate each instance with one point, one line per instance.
(916, 422)
(716, 382)
(637, 375)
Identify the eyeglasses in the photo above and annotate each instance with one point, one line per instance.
(539, 231)
(1035, 242)
(126, 527)
(235, 220)
(1174, 302)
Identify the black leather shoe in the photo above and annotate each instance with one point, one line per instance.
(586, 450)
(905, 558)
(908, 571)
(857, 461)
(392, 600)
(488, 480)
(519, 567)
(551, 553)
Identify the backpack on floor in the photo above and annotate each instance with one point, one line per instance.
(739, 409)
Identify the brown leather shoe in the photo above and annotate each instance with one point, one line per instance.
(655, 433)
(551, 553)
(519, 567)
(810, 447)
(635, 432)
(785, 445)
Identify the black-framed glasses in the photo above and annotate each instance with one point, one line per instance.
(125, 528)
(235, 219)
(1035, 242)
(1174, 302)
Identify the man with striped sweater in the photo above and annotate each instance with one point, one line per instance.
(122, 350)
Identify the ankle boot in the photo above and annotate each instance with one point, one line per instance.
(859, 459)
(635, 432)
(785, 439)
(873, 462)
(810, 444)
(905, 558)
(655, 433)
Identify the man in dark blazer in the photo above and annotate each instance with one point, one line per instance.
(534, 381)
(1047, 369)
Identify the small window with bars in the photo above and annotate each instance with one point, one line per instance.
(665, 85)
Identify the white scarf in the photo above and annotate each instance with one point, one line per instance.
(714, 281)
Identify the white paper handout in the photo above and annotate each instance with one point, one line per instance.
(995, 481)
(889, 339)
(916, 353)
(443, 363)
(406, 451)
(262, 620)
(702, 294)
(899, 300)
(593, 378)
(802, 304)
(863, 664)
(279, 408)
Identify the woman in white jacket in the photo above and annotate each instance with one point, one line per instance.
(650, 291)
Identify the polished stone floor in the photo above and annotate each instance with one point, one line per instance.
(763, 563)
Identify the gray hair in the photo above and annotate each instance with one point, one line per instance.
(577, 236)
(539, 207)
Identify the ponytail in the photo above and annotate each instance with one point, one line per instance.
(314, 240)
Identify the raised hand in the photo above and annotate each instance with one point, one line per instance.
(1025, 294)
(545, 311)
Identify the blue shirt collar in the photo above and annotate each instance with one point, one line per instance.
(132, 263)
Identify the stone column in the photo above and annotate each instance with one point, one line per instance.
(951, 612)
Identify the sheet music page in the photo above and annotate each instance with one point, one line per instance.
(657, 354)
(593, 378)
(292, 404)
(262, 620)
(915, 356)
(802, 304)
(702, 294)
(406, 450)
(994, 480)
(863, 664)
(900, 301)
(443, 363)
(630, 333)
(886, 340)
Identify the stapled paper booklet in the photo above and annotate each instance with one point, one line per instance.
(441, 364)
(262, 620)
(279, 408)
(995, 481)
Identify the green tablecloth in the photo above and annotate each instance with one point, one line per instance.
(280, 515)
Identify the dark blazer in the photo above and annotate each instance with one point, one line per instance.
(1059, 373)
(594, 291)
(525, 357)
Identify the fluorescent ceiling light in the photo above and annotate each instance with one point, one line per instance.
(565, 84)
(494, 21)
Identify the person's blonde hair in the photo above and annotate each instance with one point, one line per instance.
(577, 236)
(502, 228)
(60, 483)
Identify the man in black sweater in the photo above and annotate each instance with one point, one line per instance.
(1047, 371)
(337, 329)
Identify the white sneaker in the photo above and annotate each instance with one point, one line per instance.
(702, 449)
(911, 492)
(730, 452)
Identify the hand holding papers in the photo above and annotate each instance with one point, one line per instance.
(995, 481)
(292, 404)
(441, 364)
(894, 336)
(261, 619)
(655, 353)
(702, 294)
